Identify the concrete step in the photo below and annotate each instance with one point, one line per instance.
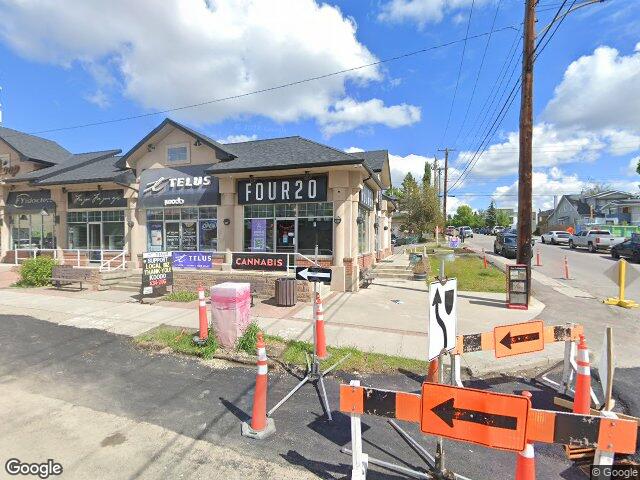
(391, 267)
(125, 288)
(115, 274)
(408, 275)
(129, 283)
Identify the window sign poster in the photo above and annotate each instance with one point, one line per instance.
(157, 273)
(258, 235)
(155, 234)
(199, 260)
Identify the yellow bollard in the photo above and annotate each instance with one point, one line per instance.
(620, 301)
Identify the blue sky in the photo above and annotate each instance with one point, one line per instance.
(95, 62)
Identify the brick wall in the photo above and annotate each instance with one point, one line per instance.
(365, 261)
(324, 262)
(262, 284)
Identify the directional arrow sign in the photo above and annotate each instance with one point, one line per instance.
(519, 338)
(314, 274)
(441, 330)
(492, 419)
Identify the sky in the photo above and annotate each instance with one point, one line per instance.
(409, 76)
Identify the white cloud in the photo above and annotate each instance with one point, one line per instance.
(180, 52)
(354, 150)
(453, 203)
(414, 163)
(98, 98)
(599, 91)
(238, 138)
(633, 165)
(422, 11)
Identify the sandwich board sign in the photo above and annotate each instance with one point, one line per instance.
(495, 420)
(443, 317)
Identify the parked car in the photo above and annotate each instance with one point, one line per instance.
(468, 233)
(496, 230)
(555, 237)
(594, 240)
(506, 245)
(628, 248)
(485, 231)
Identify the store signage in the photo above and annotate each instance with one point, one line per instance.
(202, 260)
(11, 170)
(283, 190)
(34, 201)
(259, 261)
(180, 186)
(157, 273)
(366, 197)
(97, 199)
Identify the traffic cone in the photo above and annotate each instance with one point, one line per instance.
(525, 461)
(484, 258)
(582, 398)
(566, 268)
(432, 375)
(261, 426)
(321, 340)
(203, 335)
(538, 264)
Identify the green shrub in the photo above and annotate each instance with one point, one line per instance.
(247, 342)
(36, 272)
(181, 296)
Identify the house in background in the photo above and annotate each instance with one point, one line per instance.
(623, 212)
(579, 209)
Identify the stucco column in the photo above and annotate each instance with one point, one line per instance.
(226, 211)
(5, 228)
(60, 226)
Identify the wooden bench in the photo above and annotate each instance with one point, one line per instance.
(366, 277)
(62, 275)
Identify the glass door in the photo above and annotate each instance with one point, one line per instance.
(189, 235)
(172, 235)
(94, 244)
(285, 232)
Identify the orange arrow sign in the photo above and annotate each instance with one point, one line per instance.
(519, 338)
(492, 419)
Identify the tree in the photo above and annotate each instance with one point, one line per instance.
(595, 187)
(420, 205)
(490, 215)
(426, 177)
(409, 184)
(502, 218)
(638, 166)
(463, 216)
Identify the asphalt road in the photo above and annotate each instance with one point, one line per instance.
(586, 270)
(106, 373)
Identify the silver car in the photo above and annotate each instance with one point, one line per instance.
(555, 237)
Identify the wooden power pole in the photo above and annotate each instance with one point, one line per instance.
(446, 179)
(525, 165)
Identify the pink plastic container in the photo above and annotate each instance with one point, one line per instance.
(230, 307)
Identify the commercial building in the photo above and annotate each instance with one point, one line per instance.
(179, 190)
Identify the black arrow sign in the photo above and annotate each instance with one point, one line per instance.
(436, 302)
(447, 412)
(508, 340)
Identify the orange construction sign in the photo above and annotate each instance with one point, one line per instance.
(495, 420)
(519, 338)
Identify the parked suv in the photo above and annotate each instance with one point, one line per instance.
(628, 248)
(555, 237)
(506, 245)
(594, 240)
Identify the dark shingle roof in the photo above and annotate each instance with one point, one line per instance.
(99, 170)
(375, 159)
(281, 153)
(74, 161)
(34, 148)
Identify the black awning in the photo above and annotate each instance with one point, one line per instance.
(34, 201)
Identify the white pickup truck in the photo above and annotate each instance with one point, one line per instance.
(594, 240)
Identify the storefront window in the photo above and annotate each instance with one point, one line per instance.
(289, 228)
(33, 231)
(363, 230)
(185, 229)
(96, 230)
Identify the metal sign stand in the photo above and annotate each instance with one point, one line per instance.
(314, 372)
(435, 469)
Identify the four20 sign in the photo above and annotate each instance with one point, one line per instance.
(442, 317)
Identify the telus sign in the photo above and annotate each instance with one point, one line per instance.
(283, 190)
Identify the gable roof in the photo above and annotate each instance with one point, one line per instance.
(74, 161)
(34, 148)
(608, 193)
(122, 163)
(96, 170)
(580, 205)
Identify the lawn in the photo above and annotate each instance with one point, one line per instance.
(471, 274)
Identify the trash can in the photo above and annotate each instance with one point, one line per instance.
(230, 308)
(286, 295)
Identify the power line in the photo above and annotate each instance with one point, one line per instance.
(475, 84)
(277, 87)
(455, 91)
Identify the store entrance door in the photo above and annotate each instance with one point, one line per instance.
(285, 235)
(94, 244)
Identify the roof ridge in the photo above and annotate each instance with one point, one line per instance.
(99, 151)
(329, 147)
(262, 140)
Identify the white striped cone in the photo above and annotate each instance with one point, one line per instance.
(526, 464)
(321, 340)
(259, 417)
(582, 399)
(202, 315)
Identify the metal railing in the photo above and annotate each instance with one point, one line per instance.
(105, 260)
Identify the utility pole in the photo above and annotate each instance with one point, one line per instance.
(445, 186)
(526, 141)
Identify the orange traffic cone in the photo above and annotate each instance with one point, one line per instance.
(525, 461)
(321, 340)
(203, 335)
(432, 375)
(582, 399)
(484, 258)
(261, 426)
(538, 264)
(566, 268)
